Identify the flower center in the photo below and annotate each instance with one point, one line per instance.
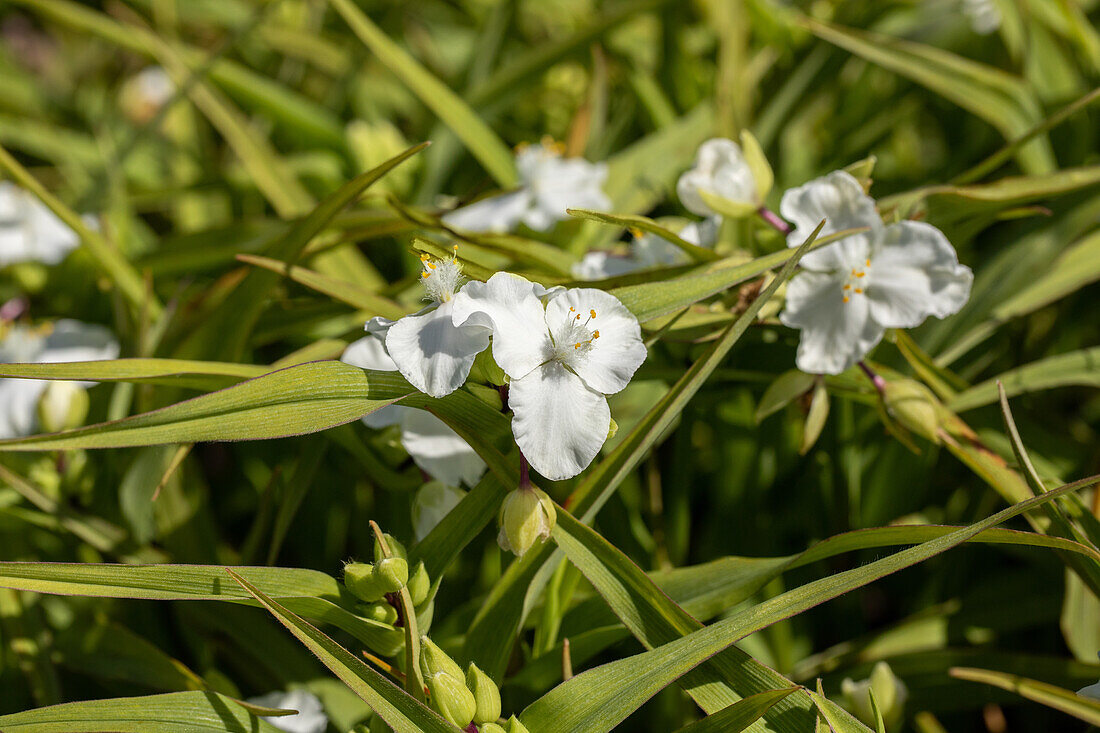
(441, 278)
(574, 339)
(856, 281)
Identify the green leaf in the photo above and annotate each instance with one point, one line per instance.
(644, 223)
(478, 137)
(402, 712)
(205, 375)
(740, 715)
(1076, 368)
(1071, 703)
(173, 712)
(815, 419)
(787, 387)
(837, 718)
(600, 698)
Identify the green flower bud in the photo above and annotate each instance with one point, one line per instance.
(379, 611)
(914, 406)
(514, 726)
(451, 698)
(63, 405)
(434, 660)
(391, 574)
(420, 585)
(486, 695)
(396, 548)
(890, 695)
(526, 515)
(359, 579)
(492, 728)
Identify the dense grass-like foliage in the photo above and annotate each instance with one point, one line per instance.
(242, 493)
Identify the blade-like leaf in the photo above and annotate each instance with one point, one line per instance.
(1083, 708)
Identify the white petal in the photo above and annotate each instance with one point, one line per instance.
(599, 265)
(432, 353)
(720, 169)
(1092, 691)
(611, 360)
(433, 501)
(560, 184)
(311, 715)
(559, 424)
(439, 450)
(839, 200)
(702, 233)
(19, 406)
(835, 335)
(510, 306)
(29, 231)
(499, 213)
(914, 274)
(71, 340)
(368, 353)
(378, 326)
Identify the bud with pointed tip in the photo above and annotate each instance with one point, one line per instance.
(446, 684)
(379, 611)
(419, 585)
(514, 726)
(63, 405)
(396, 548)
(486, 695)
(890, 696)
(359, 579)
(526, 516)
(492, 728)
(914, 406)
(391, 574)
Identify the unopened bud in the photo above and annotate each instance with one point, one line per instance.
(514, 726)
(526, 516)
(396, 548)
(391, 574)
(63, 405)
(914, 406)
(446, 684)
(434, 660)
(379, 611)
(419, 585)
(359, 579)
(486, 695)
(890, 696)
(492, 728)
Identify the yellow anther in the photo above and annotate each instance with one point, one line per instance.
(846, 298)
(431, 265)
(576, 346)
(859, 290)
(425, 274)
(578, 317)
(595, 334)
(847, 287)
(861, 274)
(592, 313)
(868, 261)
(636, 232)
(571, 309)
(424, 257)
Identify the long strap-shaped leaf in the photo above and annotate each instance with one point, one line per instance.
(600, 698)
(400, 710)
(513, 595)
(208, 375)
(173, 712)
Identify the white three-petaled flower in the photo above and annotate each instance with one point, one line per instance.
(63, 341)
(434, 447)
(29, 231)
(549, 184)
(562, 357)
(648, 250)
(851, 291)
(721, 170)
(310, 718)
(428, 349)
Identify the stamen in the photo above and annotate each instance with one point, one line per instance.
(425, 274)
(861, 274)
(859, 290)
(846, 298)
(868, 261)
(847, 286)
(592, 313)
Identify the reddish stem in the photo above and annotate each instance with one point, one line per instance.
(876, 379)
(773, 219)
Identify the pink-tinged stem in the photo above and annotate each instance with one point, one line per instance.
(876, 379)
(524, 472)
(773, 219)
(14, 308)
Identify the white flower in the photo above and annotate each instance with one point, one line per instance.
(851, 291)
(155, 86)
(433, 501)
(549, 184)
(29, 231)
(562, 358)
(429, 351)
(983, 15)
(727, 178)
(309, 719)
(434, 447)
(64, 341)
(648, 250)
(1092, 691)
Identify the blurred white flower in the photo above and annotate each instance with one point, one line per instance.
(433, 446)
(311, 715)
(549, 184)
(1092, 691)
(428, 349)
(890, 696)
(983, 15)
(30, 232)
(63, 341)
(647, 250)
(727, 178)
(562, 357)
(433, 501)
(851, 291)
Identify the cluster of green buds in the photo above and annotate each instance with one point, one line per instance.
(527, 515)
(462, 699)
(372, 582)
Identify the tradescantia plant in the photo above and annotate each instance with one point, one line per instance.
(307, 427)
